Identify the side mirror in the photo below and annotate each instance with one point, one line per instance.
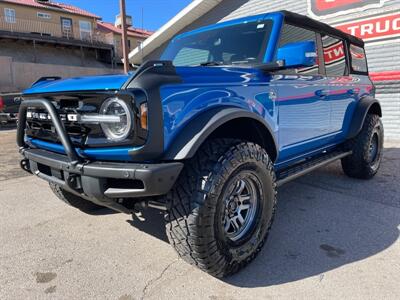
(300, 54)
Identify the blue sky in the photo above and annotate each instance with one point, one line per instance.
(156, 12)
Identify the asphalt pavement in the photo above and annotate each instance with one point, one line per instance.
(333, 238)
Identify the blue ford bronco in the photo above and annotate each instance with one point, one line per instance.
(208, 132)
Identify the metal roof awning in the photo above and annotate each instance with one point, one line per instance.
(192, 12)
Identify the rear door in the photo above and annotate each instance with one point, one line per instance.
(343, 88)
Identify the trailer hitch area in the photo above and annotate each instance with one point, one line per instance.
(140, 207)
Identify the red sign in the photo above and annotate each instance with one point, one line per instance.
(374, 28)
(334, 53)
(324, 5)
(321, 8)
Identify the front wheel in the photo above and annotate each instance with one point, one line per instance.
(222, 206)
(367, 149)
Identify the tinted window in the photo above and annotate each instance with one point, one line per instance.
(294, 34)
(334, 55)
(358, 59)
(191, 56)
(243, 43)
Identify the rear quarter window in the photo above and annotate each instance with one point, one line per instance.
(358, 59)
(334, 56)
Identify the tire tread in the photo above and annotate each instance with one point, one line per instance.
(356, 165)
(190, 229)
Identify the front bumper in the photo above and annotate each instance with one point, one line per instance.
(8, 117)
(102, 182)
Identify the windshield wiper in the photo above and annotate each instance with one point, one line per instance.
(211, 63)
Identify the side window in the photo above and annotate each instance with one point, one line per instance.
(191, 56)
(9, 14)
(85, 30)
(294, 34)
(334, 55)
(358, 59)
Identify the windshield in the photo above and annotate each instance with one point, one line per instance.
(236, 44)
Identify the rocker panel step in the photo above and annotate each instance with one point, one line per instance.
(308, 166)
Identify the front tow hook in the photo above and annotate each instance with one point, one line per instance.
(25, 165)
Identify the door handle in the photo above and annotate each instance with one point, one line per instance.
(322, 93)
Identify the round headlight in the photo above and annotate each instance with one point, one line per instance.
(117, 131)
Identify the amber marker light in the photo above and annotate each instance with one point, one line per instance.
(144, 116)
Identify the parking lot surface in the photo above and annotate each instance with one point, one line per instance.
(334, 237)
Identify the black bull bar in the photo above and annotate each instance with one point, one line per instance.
(98, 182)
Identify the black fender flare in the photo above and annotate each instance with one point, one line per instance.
(193, 135)
(364, 106)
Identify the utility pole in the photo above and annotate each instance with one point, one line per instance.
(124, 35)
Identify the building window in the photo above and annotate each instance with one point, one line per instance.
(42, 15)
(9, 14)
(139, 44)
(85, 30)
(66, 27)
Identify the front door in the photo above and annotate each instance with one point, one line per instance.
(67, 28)
(304, 112)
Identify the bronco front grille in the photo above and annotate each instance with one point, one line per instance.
(43, 128)
(40, 125)
(70, 107)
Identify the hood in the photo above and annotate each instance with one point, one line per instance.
(189, 75)
(89, 83)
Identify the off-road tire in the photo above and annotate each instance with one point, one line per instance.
(74, 200)
(195, 204)
(360, 164)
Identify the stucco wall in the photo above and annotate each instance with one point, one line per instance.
(6, 76)
(24, 51)
(16, 76)
(117, 41)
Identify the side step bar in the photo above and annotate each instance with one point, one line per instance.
(300, 169)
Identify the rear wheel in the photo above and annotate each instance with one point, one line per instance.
(73, 200)
(367, 148)
(222, 206)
